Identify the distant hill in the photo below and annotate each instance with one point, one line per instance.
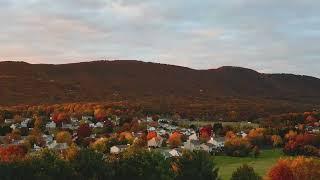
(23, 83)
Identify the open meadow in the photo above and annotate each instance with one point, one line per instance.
(227, 164)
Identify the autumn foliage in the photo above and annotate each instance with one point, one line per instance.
(12, 153)
(302, 144)
(84, 130)
(151, 135)
(175, 139)
(299, 168)
(237, 146)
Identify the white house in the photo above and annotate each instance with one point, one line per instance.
(47, 138)
(8, 121)
(14, 126)
(151, 128)
(192, 145)
(51, 125)
(207, 147)
(175, 152)
(155, 142)
(58, 146)
(74, 120)
(87, 118)
(25, 122)
(99, 125)
(149, 119)
(218, 142)
(67, 126)
(118, 149)
(193, 137)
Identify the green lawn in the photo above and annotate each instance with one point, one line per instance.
(227, 165)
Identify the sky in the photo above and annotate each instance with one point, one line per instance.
(270, 36)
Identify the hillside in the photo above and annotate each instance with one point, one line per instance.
(23, 83)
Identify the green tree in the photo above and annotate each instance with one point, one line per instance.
(245, 172)
(90, 165)
(143, 164)
(195, 165)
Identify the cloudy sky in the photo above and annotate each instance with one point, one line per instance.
(270, 36)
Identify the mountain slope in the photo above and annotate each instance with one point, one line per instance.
(117, 80)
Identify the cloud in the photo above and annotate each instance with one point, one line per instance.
(266, 35)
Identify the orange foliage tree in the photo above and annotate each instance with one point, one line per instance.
(64, 137)
(175, 140)
(299, 168)
(151, 135)
(237, 146)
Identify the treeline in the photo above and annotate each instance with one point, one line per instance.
(221, 109)
(88, 164)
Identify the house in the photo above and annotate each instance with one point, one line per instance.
(8, 121)
(99, 125)
(14, 126)
(155, 142)
(176, 152)
(47, 138)
(87, 118)
(242, 134)
(217, 141)
(25, 122)
(36, 148)
(58, 146)
(74, 120)
(192, 145)
(193, 137)
(149, 119)
(67, 126)
(207, 147)
(118, 149)
(51, 125)
(151, 128)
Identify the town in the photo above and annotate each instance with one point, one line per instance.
(115, 130)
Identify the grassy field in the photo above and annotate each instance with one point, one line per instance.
(227, 165)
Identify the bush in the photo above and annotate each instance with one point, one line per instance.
(142, 164)
(238, 147)
(245, 172)
(299, 168)
(195, 165)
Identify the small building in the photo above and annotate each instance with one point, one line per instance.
(118, 149)
(193, 137)
(51, 125)
(8, 121)
(218, 141)
(192, 145)
(58, 146)
(155, 142)
(176, 152)
(207, 147)
(87, 118)
(99, 125)
(67, 126)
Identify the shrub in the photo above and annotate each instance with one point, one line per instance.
(245, 172)
(239, 147)
(299, 168)
(195, 165)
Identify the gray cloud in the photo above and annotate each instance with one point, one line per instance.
(266, 35)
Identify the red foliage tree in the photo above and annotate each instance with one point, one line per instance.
(207, 130)
(60, 118)
(281, 171)
(151, 135)
(84, 130)
(12, 153)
